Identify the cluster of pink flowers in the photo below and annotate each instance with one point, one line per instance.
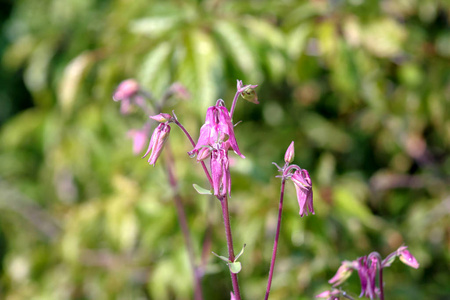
(368, 267)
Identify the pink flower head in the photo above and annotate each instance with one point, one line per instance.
(124, 93)
(220, 171)
(157, 142)
(344, 271)
(218, 128)
(303, 186)
(139, 137)
(367, 271)
(407, 258)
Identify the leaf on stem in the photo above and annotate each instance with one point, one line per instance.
(201, 191)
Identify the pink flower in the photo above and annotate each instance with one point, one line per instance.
(220, 171)
(407, 258)
(330, 295)
(289, 155)
(217, 129)
(344, 271)
(303, 186)
(157, 142)
(125, 92)
(367, 271)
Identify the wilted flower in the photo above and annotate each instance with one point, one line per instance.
(289, 155)
(218, 128)
(157, 142)
(220, 171)
(330, 295)
(139, 137)
(303, 186)
(344, 271)
(126, 90)
(407, 258)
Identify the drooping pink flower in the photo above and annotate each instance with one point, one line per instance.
(344, 271)
(330, 295)
(303, 187)
(407, 258)
(220, 171)
(125, 92)
(218, 128)
(367, 271)
(157, 142)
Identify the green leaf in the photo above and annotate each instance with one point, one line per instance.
(235, 267)
(240, 253)
(225, 259)
(201, 190)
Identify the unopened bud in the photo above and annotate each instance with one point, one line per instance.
(157, 142)
(408, 259)
(290, 154)
(162, 117)
(249, 94)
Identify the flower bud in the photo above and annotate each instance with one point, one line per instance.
(162, 117)
(408, 259)
(249, 94)
(289, 155)
(157, 142)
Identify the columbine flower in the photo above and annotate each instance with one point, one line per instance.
(303, 186)
(139, 137)
(124, 93)
(220, 171)
(407, 258)
(367, 271)
(344, 272)
(218, 128)
(157, 142)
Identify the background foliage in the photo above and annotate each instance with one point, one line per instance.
(362, 87)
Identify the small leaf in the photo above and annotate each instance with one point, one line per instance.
(201, 190)
(240, 253)
(235, 267)
(225, 259)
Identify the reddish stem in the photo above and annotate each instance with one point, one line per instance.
(275, 243)
(226, 222)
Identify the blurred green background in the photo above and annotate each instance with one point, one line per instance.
(362, 87)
